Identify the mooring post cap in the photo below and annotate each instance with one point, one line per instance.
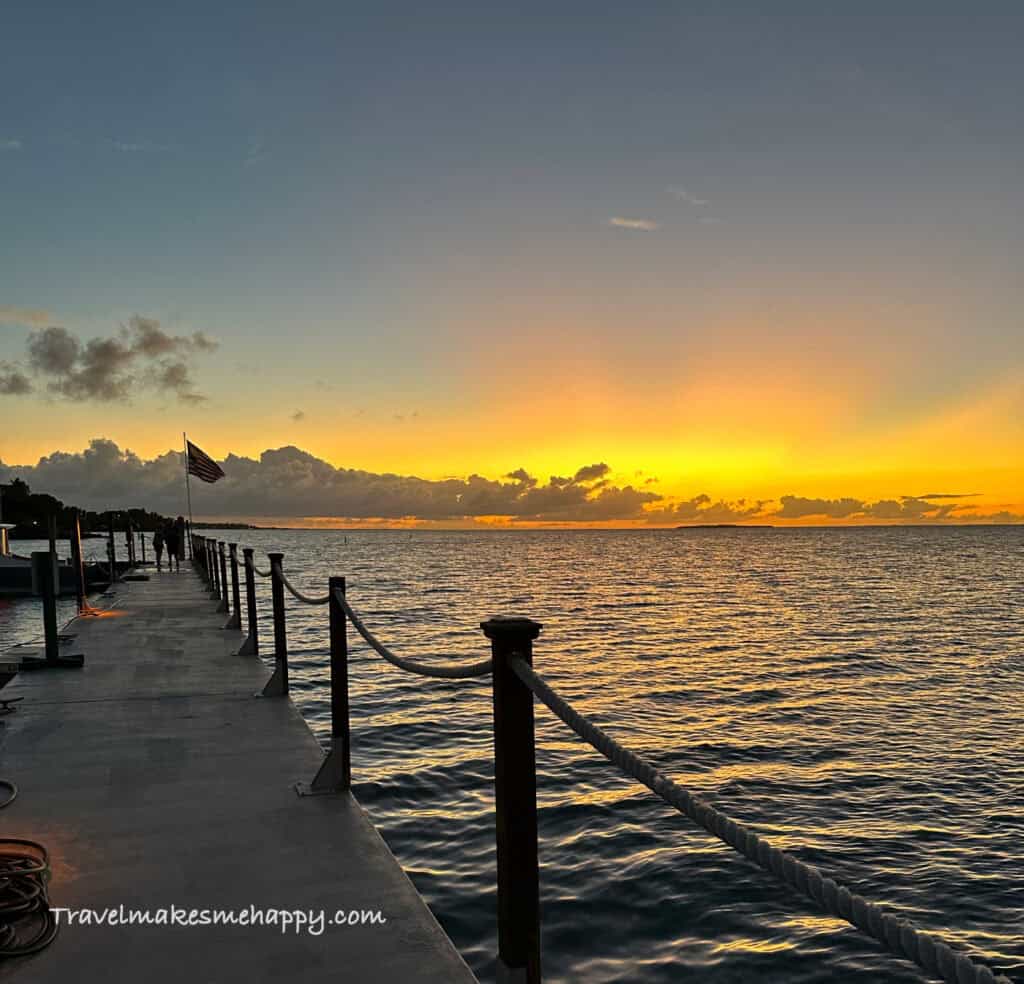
(501, 625)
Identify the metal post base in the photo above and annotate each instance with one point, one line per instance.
(223, 606)
(248, 648)
(233, 623)
(275, 686)
(329, 779)
(69, 661)
(507, 975)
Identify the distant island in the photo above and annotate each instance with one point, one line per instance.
(727, 526)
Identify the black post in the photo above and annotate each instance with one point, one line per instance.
(76, 560)
(335, 774)
(112, 549)
(277, 685)
(42, 577)
(515, 802)
(223, 606)
(251, 646)
(235, 622)
(212, 560)
(142, 542)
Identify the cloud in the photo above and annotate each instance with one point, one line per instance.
(31, 317)
(798, 507)
(701, 509)
(684, 196)
(289, 482)
(591, 473)
(140, 147)
(53, 350)
(943, 495)
(642, 225)
(111, 369)
(11, 143)
(906, 509)
(255, 152)
(13, 382)
(299, 416)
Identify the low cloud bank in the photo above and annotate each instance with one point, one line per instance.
(290, 483)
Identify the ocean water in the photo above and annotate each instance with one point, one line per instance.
(853, 695)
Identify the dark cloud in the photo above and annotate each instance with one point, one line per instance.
(176, 378)
(701, 509)
(590, 473)
(797, 507)
(522, 476)
(53, 350)
(907, 509)
(299, 416)
(13, 382)
(291, 482)
(111, 369)
(943, 495)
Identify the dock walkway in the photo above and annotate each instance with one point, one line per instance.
(155, 778)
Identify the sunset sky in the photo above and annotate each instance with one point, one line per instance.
(761, 268)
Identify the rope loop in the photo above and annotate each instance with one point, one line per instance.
(449, 672)
(925, 949)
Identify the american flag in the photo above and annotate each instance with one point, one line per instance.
(202, 465)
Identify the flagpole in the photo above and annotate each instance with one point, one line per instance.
(188, 493)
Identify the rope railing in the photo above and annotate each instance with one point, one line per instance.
(296, 593)
(261, 573)
(917, 945)
(446, 671)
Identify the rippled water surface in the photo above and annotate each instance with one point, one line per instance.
(855, 695)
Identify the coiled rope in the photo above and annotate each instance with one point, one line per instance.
(298, 594)
(925, 949)
(7, 784)
(27, 923)
(450, 672)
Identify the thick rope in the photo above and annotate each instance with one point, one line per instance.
(261, 573)
(903, 938)
(425, 669)
(298, 594)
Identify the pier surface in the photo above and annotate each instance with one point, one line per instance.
(155, 778)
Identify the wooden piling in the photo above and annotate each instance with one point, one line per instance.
(277, 685)
(336, 772)
(515, 801)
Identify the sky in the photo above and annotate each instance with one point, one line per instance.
(730, 266)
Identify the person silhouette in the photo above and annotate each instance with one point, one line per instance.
(171, 541)
(158, 548)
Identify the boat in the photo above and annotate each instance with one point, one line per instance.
(16, 571)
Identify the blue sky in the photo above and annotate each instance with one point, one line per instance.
(416, 203)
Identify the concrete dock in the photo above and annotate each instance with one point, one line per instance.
(155, 778)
